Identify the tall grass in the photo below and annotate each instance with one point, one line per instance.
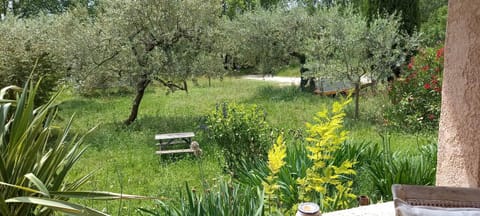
(127, 161)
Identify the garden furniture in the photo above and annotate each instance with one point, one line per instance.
(413, 200)
(174, 139)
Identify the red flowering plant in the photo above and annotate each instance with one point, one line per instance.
(416, 95)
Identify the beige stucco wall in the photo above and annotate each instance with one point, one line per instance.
(459, 133)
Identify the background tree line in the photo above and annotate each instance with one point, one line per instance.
(103, 46)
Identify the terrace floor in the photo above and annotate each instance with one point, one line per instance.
(380, 209)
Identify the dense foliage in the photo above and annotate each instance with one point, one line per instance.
(266, 40)
(306, 169)
(23, 9)
(408, 10)
(324, 178)
(388, 167)
(27, 48)
(416, 97)
(435, 27)
(349, 48)
(242, 133)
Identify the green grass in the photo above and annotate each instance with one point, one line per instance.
(123, 157)
(289, 71)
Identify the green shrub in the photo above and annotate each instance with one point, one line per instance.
(312, 169)
(416, 96)
(241, 131)
(435, 27)
(28, 48)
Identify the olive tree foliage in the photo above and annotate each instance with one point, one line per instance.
(95, 53)
(348, 48)
(169, 40)
(268, 39)
(125, 45)
(28, 46)
(233, 8)
(132, 43)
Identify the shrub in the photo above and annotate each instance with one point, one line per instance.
(435, 27)
(416, 96)
(27, 46)
(241, 131)
(307, 169)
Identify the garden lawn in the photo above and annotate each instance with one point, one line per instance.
(123, 157)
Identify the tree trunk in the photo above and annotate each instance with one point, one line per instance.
(141, 86)
(357, 99)
(458, 137)
(304, 81)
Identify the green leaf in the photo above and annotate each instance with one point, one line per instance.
(58, 205)
(23, 188)
(3, 207)
(38, 183)
(96, 195)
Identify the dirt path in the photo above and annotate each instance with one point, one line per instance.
(277, 79)
(289, 80)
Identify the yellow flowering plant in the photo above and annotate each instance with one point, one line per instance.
(276, 156)
(326, 136)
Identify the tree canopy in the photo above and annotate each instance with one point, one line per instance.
(130, 44)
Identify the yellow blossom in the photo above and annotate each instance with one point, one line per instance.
(276, 156)
(326, 137)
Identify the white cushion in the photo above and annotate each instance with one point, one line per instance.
(404, 209)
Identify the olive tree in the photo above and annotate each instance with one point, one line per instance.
(27, 47)
(167, 39)
(269, 39)
(95, 52)
(140, 42)
(126, 44)
(348, 48)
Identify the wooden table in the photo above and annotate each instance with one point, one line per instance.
(174, 139)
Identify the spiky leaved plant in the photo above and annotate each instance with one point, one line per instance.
(34, 164)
